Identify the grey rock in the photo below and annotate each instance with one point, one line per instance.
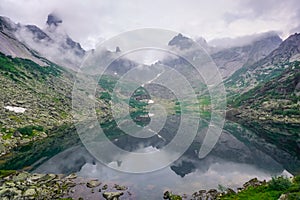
(230, 191)
(30, 192)
(283, 197)
(119, 187)
(181, 42)
(93, 183)
(20, 177)
(112, 195)
(118, 49)
(9, 192)
(10, 184)
(70, 184)
(17, 134)
(71, 176)
(53, 20)
(212, 194)
(104, 187)
(35, 177)
(253, 182)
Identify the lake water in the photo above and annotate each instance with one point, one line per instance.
(231, 163)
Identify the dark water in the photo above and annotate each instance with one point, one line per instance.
(231, 163)
(237, 157)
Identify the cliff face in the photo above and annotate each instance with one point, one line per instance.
(31, 42)
(231, 59)
(10, 45)
(265, 69)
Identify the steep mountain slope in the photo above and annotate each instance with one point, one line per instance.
(33, 99)
(231, 59)
(272, 109)
(38, 99)
(25, 41)
(265, 69)
(52, 42)
(265, 97)
(10, 45)
(284, 87)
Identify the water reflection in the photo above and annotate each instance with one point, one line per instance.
(231, 163)
(238, 156)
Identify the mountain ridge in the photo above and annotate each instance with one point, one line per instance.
(265, 69)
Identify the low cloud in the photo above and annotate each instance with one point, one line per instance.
(92, 21)
(53, 46)
(240, 41)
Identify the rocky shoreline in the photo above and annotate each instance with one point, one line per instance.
(24, 185)
(17, 140)
(17, 185)
(214, 194)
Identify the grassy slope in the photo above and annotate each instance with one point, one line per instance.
(44, 91)
(271, 191)
(272, 110)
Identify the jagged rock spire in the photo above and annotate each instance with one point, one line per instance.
(53, 19)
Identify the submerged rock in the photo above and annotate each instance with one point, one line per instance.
(112, 195)
(105, 187)
(71, 176)
(93, 183)
(119, 187)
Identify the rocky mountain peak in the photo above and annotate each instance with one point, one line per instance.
(256, 48)
(7, 25)
(286, 50)
(292, 41)
(118, 49)
(181, 42)
(53, 19)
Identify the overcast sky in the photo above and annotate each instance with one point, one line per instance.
(91, 21)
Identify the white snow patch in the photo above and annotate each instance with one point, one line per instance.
(150, 101)
(15, 109)
(150, 114)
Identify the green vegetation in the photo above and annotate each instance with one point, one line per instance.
(279, 183)
(45, 93)
(18, 68)
(4, 173)
(271, 191)
(272, 110)
(105, 96)
(29, 130)
(139, 99)
(280, 86)
(61, 138)
(108, 82)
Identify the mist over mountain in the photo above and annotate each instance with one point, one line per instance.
(268, 67)
(10, 45)
(52, 42)
(227, 42)
(229, 59)
(261, 113)
(28, 41)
